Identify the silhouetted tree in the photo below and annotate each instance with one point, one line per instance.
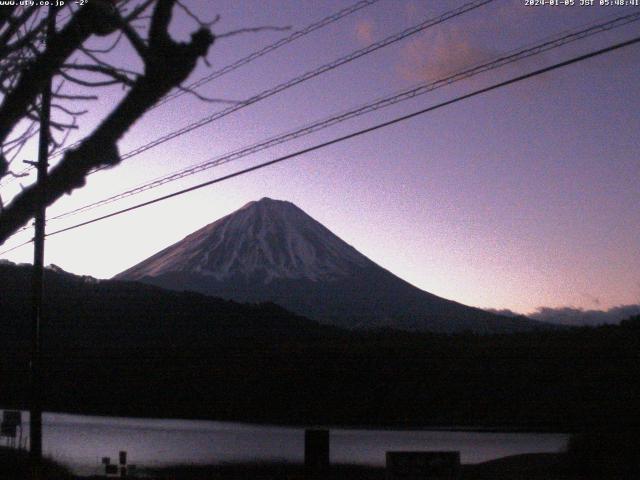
(79, 57)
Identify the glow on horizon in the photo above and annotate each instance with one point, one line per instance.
(522, 198)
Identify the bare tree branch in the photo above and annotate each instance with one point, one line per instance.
(64, 96)
(252, 30)
(87, 83)
(64, 43)
(136, 41)
(5, 14)
(207, 99)
(72, 113)
(138, 10)
(166, 65)
(107, 49)
(117, 75)
(14, 24)
(23, 41)
(195, 17)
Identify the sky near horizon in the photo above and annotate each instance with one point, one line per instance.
(520, 198)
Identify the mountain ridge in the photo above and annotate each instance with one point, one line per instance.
(271, 250)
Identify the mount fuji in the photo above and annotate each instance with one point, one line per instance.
(270, 250)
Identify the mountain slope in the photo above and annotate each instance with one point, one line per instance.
(83, 312)
(265, 240)
(271, 250)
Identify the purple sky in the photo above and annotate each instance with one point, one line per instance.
(523, 197)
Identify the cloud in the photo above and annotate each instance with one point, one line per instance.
(478, 39)
(364, 31)
(435, 55)
(577, 316)
(504, 312)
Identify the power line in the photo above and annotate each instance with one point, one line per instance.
(254, 55)
(16, 247)
(306, 76)
(244, 60)
(358, 133)
(269, 48)
(367, 108)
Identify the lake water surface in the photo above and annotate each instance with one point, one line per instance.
(80, 441)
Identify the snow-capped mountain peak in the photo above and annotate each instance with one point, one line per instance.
(266, 239)
(270, 250)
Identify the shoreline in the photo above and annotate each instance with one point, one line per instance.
(366, 427)
(512, 467)
(528, 466)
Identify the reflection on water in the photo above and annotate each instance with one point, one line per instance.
(81, 441)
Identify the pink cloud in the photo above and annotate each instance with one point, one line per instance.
(440, 52)
(364, 31)
(433, 56)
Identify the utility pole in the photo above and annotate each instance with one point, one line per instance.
(35, 412)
